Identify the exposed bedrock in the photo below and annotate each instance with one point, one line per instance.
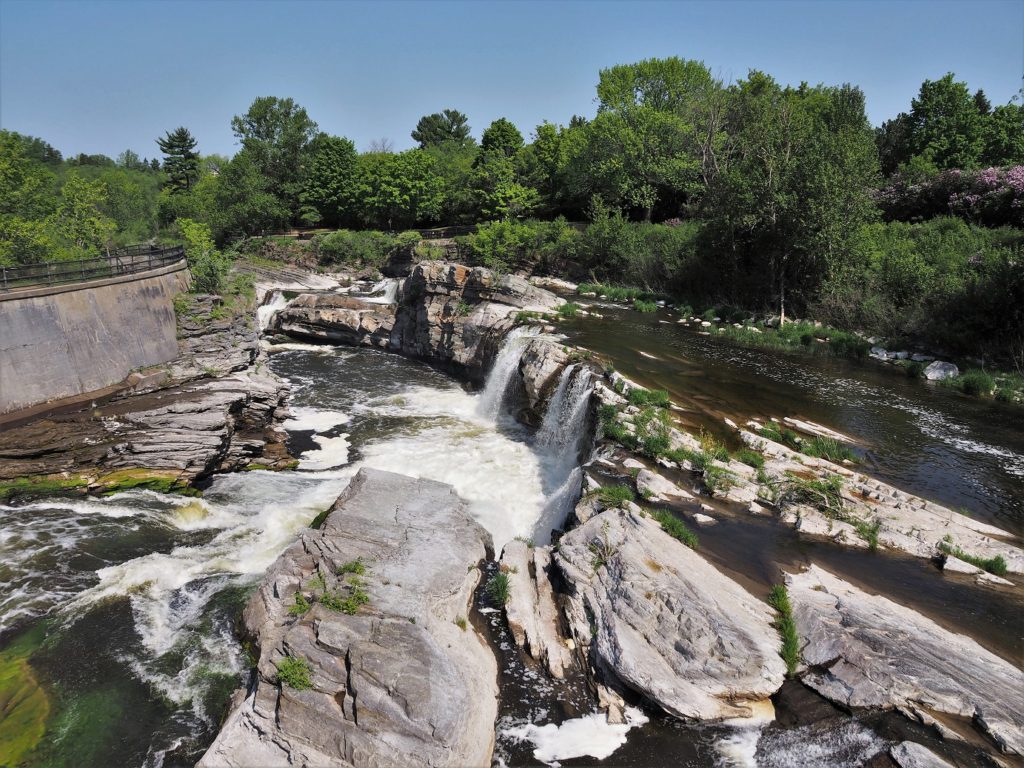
(447, 314)
(865, 650)
(399, 682)
(665, 623)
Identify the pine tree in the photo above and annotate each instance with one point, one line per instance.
(181, 161)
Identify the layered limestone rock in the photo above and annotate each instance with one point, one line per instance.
(447, 314)
(399, 682)
(661, 620)
(865, 650)
(905, 522)
(215, 408)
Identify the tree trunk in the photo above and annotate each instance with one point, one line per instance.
(782, 295)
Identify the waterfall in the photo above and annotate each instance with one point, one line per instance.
(565, 419)
(388, 288)
(502, 372)
(266, 312)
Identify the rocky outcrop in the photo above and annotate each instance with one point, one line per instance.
(447, 314)
(212, 409)
(531, 611)
(864, 650)
(398, 681)
(659, 619)
(909, 754)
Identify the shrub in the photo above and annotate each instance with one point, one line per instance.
(348, 602)
(361, 249)
(674, 527)
(352, 566)
(779, 434)
(461, 623)
(602, 549)
(294, 672)
(209, 266)
(498, 588)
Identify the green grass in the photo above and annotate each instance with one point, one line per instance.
(498, 588)
(712, 448)
(656, 397)
(644, 306)
(994, 565)
(461, 623)
(867, 531)
(300, 606)
(718, 480)
(750, 457)
(607, 412)
(974, 382)
(615, 495)
(827, 448)
(294, 672)
(777, 433)
(778, 598)
(674, 527)
(569, 309)
(611, 292)
(614, 430)
(825, 495)
(800, 336)
(353, 566)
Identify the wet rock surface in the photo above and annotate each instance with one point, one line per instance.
(398, 682)
(865, 650)
(662, 621)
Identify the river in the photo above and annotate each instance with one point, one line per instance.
(124, 607)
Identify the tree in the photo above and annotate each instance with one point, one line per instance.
(276, 134)
(1003, 136)
(181, 162)
(329, 189)
(501, 137)
(381, 146)
(209, 266)
(79, 219)
(946, 126)
(397, 191)
(245, 203)
(447, 126)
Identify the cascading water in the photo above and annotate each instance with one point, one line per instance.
(265, 313)
(492, 398)
(388, 290)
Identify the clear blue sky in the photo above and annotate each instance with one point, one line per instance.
(104, 76)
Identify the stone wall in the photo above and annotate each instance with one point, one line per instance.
(61, 341)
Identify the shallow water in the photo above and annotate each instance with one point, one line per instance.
(959, 451)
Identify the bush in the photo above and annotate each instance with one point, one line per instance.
(362, 249)
(505, 245)
(294, 672)
(209, 266)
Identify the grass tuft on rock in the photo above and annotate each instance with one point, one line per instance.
(499, 588)
(674, 527)
(615, 495)
(994, 565)
(294, 672)
(778, 598)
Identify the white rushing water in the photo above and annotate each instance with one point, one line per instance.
(265, 312)
(588, 736)
(495, 390)
(384, 292)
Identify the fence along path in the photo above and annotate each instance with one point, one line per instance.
(124, 261)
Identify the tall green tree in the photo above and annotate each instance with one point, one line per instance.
(79, 219)
(448, 126)
(946, 126)
(276, 134)
(328, 193)
(501, 137)
(398, 191)
(181, 161)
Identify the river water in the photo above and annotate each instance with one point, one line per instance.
(125, 606)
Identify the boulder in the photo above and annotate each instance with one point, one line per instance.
(909, 754)
(662, 621)
(940, 371)
(401, 681)
(864, 650)
(653, 486)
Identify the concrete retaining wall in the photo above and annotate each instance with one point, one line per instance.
(63, 341)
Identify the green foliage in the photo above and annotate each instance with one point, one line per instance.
(294, 672)
(655, 397)
(499, 588)
(209, 266)
(569, 309)
(827, 448)
(300, 606)
(356, 567)
(778, 598)
(446, 127)
(461, 623)
(348, 600)
(674, 527)
(611, 292)
(825, 494)
(328, 195)
(361, 249)
(615, 495)
(973, 382)
(602, 549)
(712, 448)
(750, 457)
(397, 191)
(777, 433)
(644, 306)
(503, 245)
(607, 412)
(995, 565)
(181, 161)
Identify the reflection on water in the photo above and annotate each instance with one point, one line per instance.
(931, 441)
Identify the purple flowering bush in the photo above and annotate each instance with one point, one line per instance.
(992, 197)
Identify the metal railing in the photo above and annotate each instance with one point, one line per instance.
(124, 261)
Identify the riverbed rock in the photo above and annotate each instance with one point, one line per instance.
(909, 754)
(399, 682)
(940, 371)
(336, 319)
(661, 620)
(531, 612)
(651, 485)
(864, 650)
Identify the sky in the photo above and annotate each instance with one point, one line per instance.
(101, 77)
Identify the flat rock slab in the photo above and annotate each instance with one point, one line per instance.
(399, 683)
(865, 650)
(665, 622)
(909, 754)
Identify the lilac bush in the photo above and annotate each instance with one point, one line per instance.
(992, 197)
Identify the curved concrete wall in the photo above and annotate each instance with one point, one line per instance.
(62, 341)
